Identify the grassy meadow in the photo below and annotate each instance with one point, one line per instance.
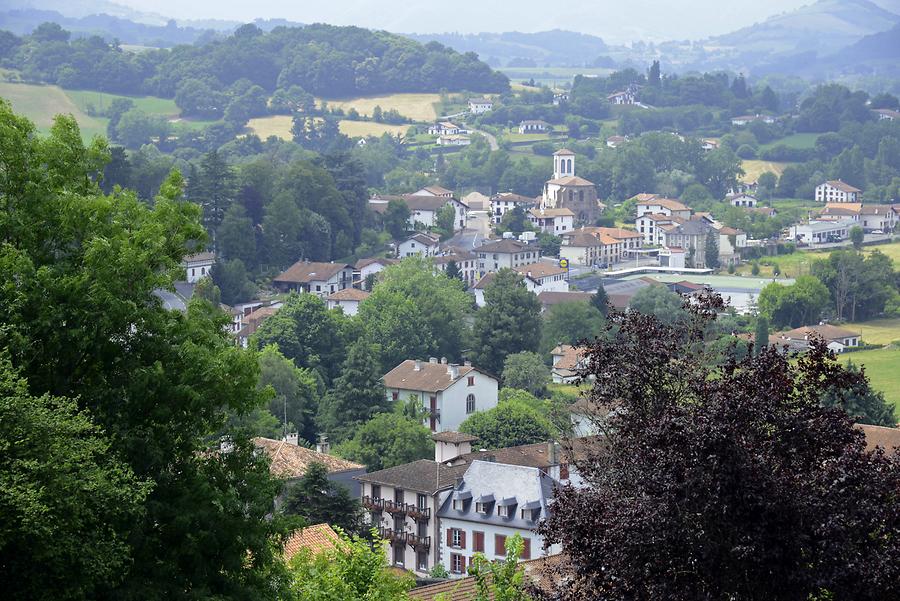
(280, 126)
(754, 168)
(42, 103)
(418, 107)
(882, 369)
(793, 141)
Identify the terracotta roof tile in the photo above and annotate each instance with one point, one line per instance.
(348, 294)
(305, 271)
(424, 475)
(430, 377)
(540, 269)
(881, 436)
(316, 538)
(291, 461)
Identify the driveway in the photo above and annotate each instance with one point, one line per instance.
(492, 140)
(170, 300)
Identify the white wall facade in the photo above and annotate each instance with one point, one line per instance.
(451, 403)
(411, 247)
(349, 307)
(490, 551)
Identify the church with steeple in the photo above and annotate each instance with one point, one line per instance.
(568, 191)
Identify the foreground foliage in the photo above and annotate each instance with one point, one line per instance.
(724, 482)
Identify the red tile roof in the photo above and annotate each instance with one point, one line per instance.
(291, 461)
(316, 538)
(305, 271)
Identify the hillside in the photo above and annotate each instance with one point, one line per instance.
(823, 27)
(556, 48)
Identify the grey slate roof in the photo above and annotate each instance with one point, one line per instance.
(423, 476)
(528, 485)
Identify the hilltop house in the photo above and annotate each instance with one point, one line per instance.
(838, 339)
(837, 191)
(507, 201)
(494, 256)
(448, 392)
(477, 106)
(347, 300)
(622, 97)
(423, 245)
(615, 141)
(742, 200)
(491, 503)
(453, 141)
(198, 266)
(320, 279)
(445, 128)
(534, 126)
(887, 114)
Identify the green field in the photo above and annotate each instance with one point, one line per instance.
(800, 262)
(84, 99)
(42, 103)
(553, 76)
(793, 141)
(418, 107)
(280, 126)
(753, 169)
(882, 369)
(877, 331)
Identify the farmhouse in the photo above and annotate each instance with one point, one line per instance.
(624, 97)
(615, 141)
(887, 114)
(445, 128)
(878, 218)
(477, 106)
(838, 339)
(448, 392)
(320, 279)
(347, 300)
(534, 126)
(453, 141)
(837, 191)
(742, 200)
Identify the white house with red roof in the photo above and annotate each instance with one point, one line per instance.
(347, 300)
(837, 191)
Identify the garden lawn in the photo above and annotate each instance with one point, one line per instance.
(882, 368)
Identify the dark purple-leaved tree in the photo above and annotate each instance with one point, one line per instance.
(722, 482)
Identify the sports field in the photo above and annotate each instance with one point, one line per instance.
(418, 107)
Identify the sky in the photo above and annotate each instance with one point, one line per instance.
(614, 20)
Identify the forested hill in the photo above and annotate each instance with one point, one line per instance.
(324, 60)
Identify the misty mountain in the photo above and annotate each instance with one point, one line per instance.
(557, 47)
(823, 27)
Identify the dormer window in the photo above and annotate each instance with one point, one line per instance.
(481, 508)
(503, 511)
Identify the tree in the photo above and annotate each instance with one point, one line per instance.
(233, 282)
(357, 394)
(793, 306)
(396, 218)
(510, 321)
(306, 333)
(318, 500)
(354, 571)
(511, 423)
(856, 236)
(859, 286)
(600, 300)
(453, 271)
(445, 220)
(208, 291)
(66, 499)
(500, 580)
(859, 401)
(660, 302)
(711, 249)
(761, 335)
(388, 440)
(136, 128)
(526, 371)
(196, 98)
(295, 392)
(414, 294)
(237, 236)
(569, 323)
(653, 76)
(215, 190)
(159, 383)
(749, 459)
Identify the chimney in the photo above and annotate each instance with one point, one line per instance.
(443, 360)
(418, 366)
(553, 453)
(433, 360)
(323, 446)
(292, 438)
(467, 363)
(453, 370)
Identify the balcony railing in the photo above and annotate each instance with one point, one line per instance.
(389, 534)
(420, 514)
(394, 507)
(422, 543)
(373, 504)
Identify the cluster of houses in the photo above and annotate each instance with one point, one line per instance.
(843, 210)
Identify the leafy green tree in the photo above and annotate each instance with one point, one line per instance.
(859, 286)
(233, 282)
(856, 236)
(711, 250)
(295, 392)
(445, 220)
(414, 294)
(318, 500)
(510, 321)
(859, 400)
(196, 98)
(207, 290)
(568, 323)
(511, 423)
(515, 221)
(306, 333)
(526, 371)
(66, 499)
(136, 128)
(501, 580)
(453, 271)
(356, 396)
(355, 571)
(600, 300)
(160, 383)
(793, 306)
(388, 440)
(659, 301)
(396, 218)
(237, 236)
(214, 190)
(549, 244)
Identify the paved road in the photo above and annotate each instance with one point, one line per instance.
(477, 230)
(170, 300)
(492, 140)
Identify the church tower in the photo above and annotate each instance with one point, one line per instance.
(563, 163)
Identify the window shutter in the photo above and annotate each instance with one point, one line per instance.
(462, 539)
(449, 537)
(499, 544)
(526, 548)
